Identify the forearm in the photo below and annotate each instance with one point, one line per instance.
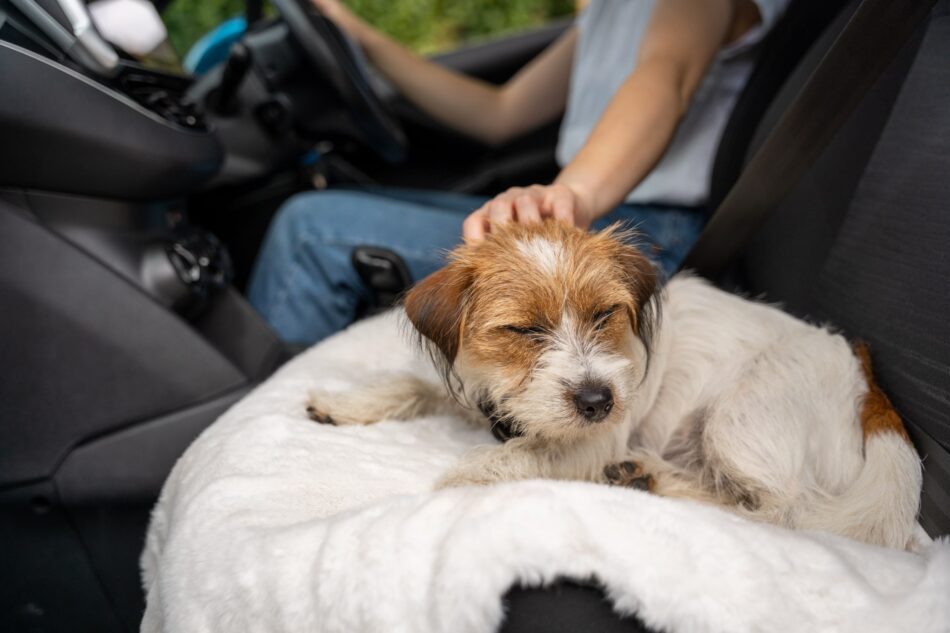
(638, 124)
(468, 105)
(630, 138)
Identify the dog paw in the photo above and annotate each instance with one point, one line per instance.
(345, 408)
(317, 415)
(455, 480)
(465, 475)
(628, 474)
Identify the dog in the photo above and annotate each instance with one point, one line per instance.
(564, 344)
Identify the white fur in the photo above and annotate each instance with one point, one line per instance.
(779, 402)
(761, 409)
(271, 522)
(548, 256)
(570, 360)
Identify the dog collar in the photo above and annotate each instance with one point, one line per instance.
(502, 427)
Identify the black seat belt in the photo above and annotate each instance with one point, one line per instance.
(862, 51)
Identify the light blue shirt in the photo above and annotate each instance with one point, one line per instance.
(609, 35)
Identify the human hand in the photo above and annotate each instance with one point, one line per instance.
(344, 18)
(529, 205)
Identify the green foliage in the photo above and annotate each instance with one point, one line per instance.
(424, 25)
(188, 20)
(429, 25)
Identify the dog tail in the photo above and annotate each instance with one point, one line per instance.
(881, 505)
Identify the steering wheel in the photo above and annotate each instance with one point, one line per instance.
(330, 54)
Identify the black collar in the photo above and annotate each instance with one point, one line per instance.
(502, 427)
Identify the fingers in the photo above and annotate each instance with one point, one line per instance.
(496, 212)
(501, 211)
(517, 205)
(523, 206)
(345, 19)
(562, 209)
(527, 209)
(475, 226)
(561, 203)
(326, 7)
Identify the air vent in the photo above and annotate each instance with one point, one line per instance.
(163, 95)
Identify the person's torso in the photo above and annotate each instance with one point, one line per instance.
(609, 35)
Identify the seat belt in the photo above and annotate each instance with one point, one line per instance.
(862, 51)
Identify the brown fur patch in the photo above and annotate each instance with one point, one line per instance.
(877, 413)
(435, 306)
(597, 272)
(498, 302)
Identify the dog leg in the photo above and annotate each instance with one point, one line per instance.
(645, 471)
(511, 461)
(527, 458)
(386, 397)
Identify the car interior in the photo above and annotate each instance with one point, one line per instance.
(133, 202)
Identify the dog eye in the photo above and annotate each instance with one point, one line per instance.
(531, 330)
(601, 318)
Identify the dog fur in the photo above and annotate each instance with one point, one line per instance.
(697, 393)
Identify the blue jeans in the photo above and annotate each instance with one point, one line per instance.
(306, 288)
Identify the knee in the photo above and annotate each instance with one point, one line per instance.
(326, 215)
(304, 213)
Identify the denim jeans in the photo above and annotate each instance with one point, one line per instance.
(306, 288)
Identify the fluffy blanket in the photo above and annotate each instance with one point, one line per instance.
(271, 522)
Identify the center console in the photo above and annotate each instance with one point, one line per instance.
(69, 124)
(121, 336)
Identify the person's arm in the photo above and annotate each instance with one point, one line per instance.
(493, 114)
(681, 40)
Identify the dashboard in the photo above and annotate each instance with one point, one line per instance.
(77, 117)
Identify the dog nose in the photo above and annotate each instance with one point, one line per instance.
(594, 402)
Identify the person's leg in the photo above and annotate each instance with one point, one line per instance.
(442, 200)
(665, 233)
(303, 282)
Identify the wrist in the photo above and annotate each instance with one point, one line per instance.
(352, 25)
(584, 196)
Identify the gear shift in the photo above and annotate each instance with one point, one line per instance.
(239, 62)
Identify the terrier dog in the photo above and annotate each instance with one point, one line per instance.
(553, 336)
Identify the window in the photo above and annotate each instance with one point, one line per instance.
(425, 25)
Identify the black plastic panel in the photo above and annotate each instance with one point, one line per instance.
(109, 486)
(132, 464)
(70, 547)
(64, 132)
(85, 352)
(46, 581)
(240, 333)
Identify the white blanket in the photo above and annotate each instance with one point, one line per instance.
(271, 522)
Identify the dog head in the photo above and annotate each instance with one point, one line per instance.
(547, 328)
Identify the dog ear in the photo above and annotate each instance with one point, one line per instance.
(641, 279)
(435, 308)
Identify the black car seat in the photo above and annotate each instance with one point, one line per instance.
(795, 34)
(860, 242)
(868, 247)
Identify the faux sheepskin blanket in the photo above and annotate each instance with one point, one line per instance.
(271, 522)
